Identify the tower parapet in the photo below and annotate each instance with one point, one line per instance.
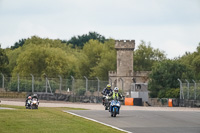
(125, 45)
(112, 73)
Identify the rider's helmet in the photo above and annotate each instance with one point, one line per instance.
(116, 89)
(29, 97)
(108, 86)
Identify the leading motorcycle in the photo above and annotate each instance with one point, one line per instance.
(115, 107)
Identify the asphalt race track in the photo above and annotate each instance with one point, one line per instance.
(148, 121)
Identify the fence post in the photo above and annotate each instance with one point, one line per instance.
(98, 85)
(181, 89)
(2, 80)
(188, 93)
(73, 88)
(18, 82)
(86, 83)
(195, 88)
(46, 82)
(72, 84)
(122, 84)
(60, 83)
(32, 82)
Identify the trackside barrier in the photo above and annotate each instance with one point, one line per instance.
(170, 103)
(12, 94)
(129, 101)
(137, 101)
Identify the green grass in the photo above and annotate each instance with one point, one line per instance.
(46, 120)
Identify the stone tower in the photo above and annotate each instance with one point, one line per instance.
(124, 75)
(125, 57)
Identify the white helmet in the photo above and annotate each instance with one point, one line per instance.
(116, 89)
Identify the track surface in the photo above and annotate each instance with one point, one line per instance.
(148, 121)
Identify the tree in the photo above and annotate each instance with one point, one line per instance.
(79, 41)
(39, 56)
(107, 61)
(12, 56)
(3, 62)
(38, 60)
(92, 50)
(98, 58)
(18, 44)
(191, 60)
(164, 77)
(45, 42)
(146, 56)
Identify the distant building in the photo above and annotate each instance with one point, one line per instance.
(125, 76)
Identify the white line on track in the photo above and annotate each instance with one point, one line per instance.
(98, 122)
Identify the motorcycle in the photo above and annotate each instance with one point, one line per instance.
(106, 102)
(34, 103)
(115, 107)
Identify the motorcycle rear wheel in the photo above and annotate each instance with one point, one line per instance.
(106, 108)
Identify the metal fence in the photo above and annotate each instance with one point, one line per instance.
(53, 85)
(189, 90)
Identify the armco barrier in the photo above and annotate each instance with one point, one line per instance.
(137, 101)
(129, 101)
(12, 94)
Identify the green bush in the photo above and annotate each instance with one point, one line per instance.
(81, 91)
(172, 93)
(161, 94)
(169, 93)
(92, 90)
(26, 86)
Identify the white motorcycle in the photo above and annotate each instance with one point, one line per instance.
(34, 103)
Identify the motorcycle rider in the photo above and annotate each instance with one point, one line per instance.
(27, 98)
(106, 91)
(28, 101)
(116, 94)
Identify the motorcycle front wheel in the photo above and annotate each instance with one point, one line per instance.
(115, 112)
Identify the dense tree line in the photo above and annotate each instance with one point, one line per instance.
(93, 55)
(39, 56)
(75, 41)
(79, 41)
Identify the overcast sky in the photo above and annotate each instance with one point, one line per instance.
(172, 26)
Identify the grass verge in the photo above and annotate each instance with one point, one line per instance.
(46, 120)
